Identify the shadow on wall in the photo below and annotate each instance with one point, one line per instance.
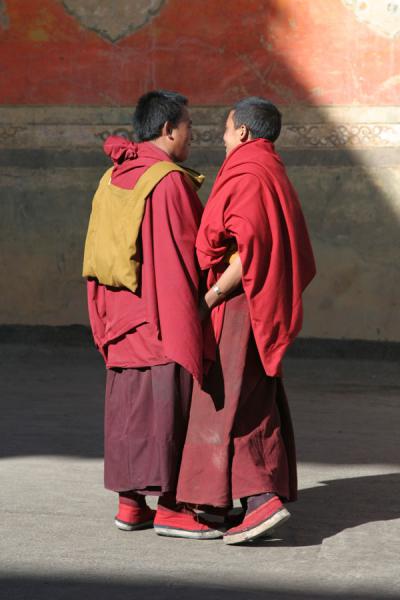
(69, 587)
(341, 160)
(345, 169)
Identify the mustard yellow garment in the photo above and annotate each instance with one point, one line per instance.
(112, 250)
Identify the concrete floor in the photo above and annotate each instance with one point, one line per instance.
(57, 538)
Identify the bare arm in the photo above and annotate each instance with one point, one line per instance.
(227, 283)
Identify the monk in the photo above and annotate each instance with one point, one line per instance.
(150, 337)
(254, 246)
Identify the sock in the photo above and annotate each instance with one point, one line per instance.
(254, 502)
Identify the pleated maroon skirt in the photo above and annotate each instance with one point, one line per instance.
(240, 438)
(146, 416)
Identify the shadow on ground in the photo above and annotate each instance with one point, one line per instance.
(52, 404)
(337, 505)
(63, 588)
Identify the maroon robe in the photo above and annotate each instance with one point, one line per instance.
(240, 439)
(151, 340)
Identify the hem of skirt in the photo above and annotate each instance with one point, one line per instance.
(285, 495)
(150, 490)
(287, 492)
(203, 501)
(137, 365)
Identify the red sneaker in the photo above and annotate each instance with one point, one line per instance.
(185, 523)
(259, 522)
(131, 519)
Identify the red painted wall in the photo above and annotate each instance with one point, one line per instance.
(307, 51)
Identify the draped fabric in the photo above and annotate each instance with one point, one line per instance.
(240, 438)
(159, 323)
(254, 205)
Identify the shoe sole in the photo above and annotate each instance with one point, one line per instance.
(190, 535)
(261, 529)
(129, 527)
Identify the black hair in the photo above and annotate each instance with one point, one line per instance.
(153, 110)
(261, 117)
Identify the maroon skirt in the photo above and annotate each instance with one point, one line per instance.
(240, 438)
(146, 416)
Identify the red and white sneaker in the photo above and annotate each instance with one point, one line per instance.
(131, 519)
(184, 523)
(258, 523)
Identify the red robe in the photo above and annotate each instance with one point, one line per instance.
(240, 440)
(254, 204)
(160, 323)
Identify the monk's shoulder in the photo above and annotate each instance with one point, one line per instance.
(248, 178)
(244, 186)
(174, 183)
(175, 193)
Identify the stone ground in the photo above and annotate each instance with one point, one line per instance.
(57, 538)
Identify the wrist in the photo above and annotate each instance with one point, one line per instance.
(217, 290)
(213, 296)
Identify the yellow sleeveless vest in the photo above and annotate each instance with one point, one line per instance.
(112, 249)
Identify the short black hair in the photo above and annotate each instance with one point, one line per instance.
(261, 117)
(153, 110)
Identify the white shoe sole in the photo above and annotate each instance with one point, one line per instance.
(127, 527)
(255, 532)
(211, 534)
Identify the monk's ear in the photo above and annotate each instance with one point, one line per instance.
(244, 133)
(168, 129)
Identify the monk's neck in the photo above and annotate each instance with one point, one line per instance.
(162, 145)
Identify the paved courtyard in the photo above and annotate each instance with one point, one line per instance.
(57, 538)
